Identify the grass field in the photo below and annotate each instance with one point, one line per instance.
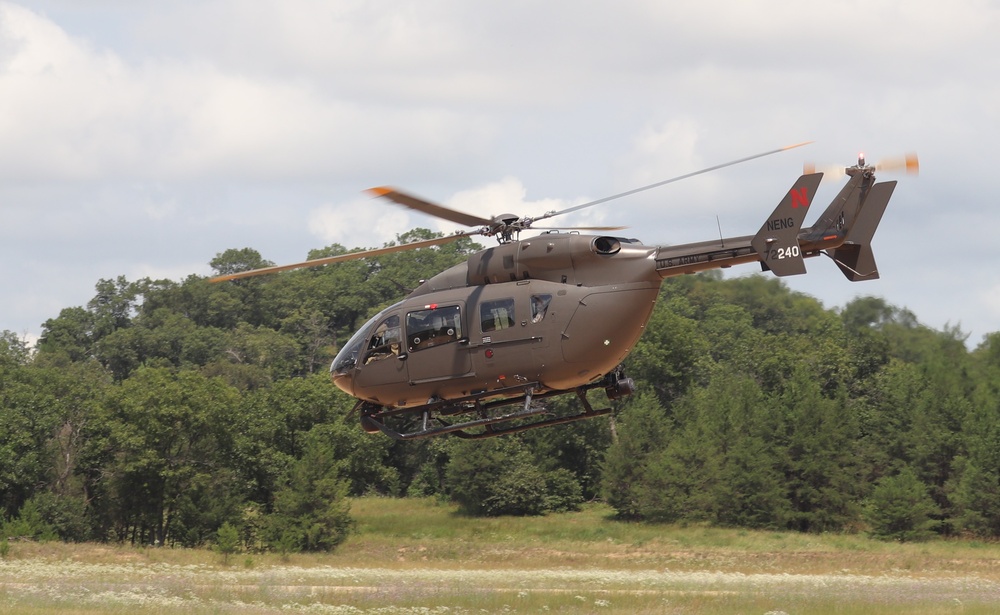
(419, 556)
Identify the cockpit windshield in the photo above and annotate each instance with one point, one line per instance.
(347, 358)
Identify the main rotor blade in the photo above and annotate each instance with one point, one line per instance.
(438, 211)
(668, 181)
(577, 228)
(343, 257)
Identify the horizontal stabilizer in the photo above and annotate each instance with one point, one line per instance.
(777, 242)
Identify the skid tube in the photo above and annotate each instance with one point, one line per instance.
(488, 423)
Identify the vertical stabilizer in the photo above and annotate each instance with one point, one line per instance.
(777, 242)
(855, 257)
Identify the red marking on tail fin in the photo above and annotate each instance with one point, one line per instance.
(800, 197)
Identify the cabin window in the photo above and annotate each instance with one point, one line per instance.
(385, 340)
(433, 327)
(496, 315)
(539, 307)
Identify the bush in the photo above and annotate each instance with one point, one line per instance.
(563, 491)
(227, 541)
(29, 524)
(901, 509)
(500, 477)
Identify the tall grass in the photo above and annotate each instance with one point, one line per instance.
(420, 556)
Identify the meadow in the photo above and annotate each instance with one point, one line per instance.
(418, 556)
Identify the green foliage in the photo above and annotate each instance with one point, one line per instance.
(169, 430)
(236, 261)
(13, 349)
(163, 411)
(499, 476)
(642, 428)
(311, 510)
(900, 508)
(562, 491)
(29, 523)
(227, 541)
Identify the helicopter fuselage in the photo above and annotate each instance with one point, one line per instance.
(559, 310)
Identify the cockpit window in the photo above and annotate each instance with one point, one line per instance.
(385, 340)
(433, 327)
(348, 355)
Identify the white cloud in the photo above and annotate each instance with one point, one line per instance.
(361, 223)
(506, 196)
(74, 112)
(164, 133)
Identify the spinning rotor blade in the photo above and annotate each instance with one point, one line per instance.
(908, 163)
(578, 228)
(438, 211)
(830, 171)
(342, 257)
(668, 181)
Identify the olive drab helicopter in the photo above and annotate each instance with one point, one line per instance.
(475, 350)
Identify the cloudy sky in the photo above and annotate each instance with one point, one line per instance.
(142, 138)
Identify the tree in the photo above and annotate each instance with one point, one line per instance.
(900, 508)
(496, 477)
(171, 433)
(113, 306)
(311, 510)
(237, 261)
(670, 354)
(13, 349)
(70, 335)
(227, 541)
(643, 428)
(819, 461)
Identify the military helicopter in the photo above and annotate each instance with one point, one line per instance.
(475, 349)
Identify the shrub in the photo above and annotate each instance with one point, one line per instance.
(900, 508)
(227, 541)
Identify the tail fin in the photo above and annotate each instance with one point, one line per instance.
(777, 242)
(855, 257)
(839, 216)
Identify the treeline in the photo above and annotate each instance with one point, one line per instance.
(164, 412)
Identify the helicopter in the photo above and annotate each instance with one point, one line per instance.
(476, 349)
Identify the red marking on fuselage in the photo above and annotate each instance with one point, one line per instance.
(800, 197)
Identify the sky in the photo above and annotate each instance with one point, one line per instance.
(141, 138)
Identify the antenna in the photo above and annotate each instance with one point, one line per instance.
(722, 240)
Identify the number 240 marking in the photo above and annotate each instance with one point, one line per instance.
(783, 253)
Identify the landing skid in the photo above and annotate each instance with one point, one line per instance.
(488, 422)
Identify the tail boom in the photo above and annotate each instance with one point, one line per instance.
(844, 232)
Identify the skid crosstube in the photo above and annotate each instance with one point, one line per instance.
(432, 423)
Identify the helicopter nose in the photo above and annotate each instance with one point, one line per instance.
(343, 377)
(344, 381)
